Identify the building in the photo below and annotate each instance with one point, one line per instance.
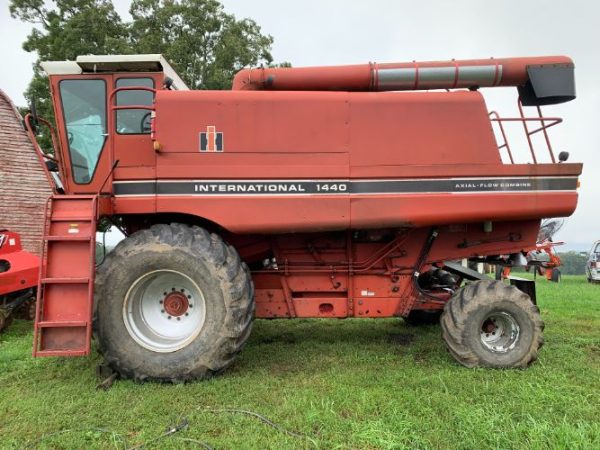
(24, 187)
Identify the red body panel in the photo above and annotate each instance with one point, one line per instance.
(372, 129)
(22, 267)
(344, 137)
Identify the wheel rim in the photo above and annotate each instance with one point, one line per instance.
(500, 332)
(164, 310)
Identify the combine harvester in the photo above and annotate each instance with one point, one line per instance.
(302, 192)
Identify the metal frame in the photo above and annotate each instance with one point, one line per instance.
(546, 122)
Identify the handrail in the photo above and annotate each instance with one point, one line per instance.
(119, 108)
(499, 120)
(38, 150)
(130, 88)
(546, 122)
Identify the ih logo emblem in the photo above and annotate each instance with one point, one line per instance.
(211, 141)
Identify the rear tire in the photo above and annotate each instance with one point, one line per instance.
(193, 331)
(492, 324)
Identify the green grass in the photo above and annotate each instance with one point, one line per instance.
(365, 384)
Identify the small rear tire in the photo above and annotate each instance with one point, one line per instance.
(492, 324)
(174, 303)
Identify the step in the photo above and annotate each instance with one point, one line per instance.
(67, 238)
(57, 353)
(71, 219)
(66, 285)
(82, 280)
(61, 324)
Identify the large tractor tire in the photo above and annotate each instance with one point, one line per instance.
(492, 324)
(174, 303)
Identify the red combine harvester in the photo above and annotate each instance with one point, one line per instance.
(19, 272)
(302, 192)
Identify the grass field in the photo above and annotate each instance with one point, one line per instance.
(364, 384)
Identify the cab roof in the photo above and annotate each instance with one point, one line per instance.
(114, 63)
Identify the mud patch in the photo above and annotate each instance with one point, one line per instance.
(594, 351)
(280, 339)
(401, 338)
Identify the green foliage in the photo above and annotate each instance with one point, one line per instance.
(63, 30)
(205, 44)
(344, 384)
(572, 263)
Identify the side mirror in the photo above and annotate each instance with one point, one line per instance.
(167, 83)
(563, 156)
(35, 123)
(52, 166)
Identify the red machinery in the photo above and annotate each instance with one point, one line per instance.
(18, 279)
(543, 259)
(333, 201)
(551, 265)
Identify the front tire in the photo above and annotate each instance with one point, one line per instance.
(174, 303)
(492, 324)
(556, 275)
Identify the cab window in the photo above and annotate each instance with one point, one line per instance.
(134, 121)
(84, 109)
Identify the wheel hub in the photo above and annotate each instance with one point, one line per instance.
(499, 332)
(164, 310)
(176, 304)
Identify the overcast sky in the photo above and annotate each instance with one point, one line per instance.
(321, 32)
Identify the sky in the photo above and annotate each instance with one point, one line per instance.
(326, 32)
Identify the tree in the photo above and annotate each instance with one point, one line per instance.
(63, 30)
(205, 45)
(573, 263)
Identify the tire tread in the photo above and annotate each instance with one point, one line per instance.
(236, 284)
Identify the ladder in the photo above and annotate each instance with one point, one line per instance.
(64, 308)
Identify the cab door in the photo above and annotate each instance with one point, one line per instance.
(83, 121)
(131, 139)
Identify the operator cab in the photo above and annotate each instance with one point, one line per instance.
(103, 107)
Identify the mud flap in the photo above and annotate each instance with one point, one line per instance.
(526, 286)
(522, 284)
(464, 272)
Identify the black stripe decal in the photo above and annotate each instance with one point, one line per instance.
(135, 188)
(328, 187)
